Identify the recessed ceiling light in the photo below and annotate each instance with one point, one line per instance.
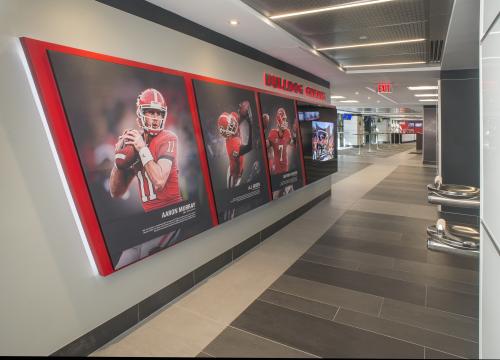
(384, 64)
(371, 44)
(349, 101)
(363, 37)
(369, 98)
(356, 92)
(328, 8)
(337, 97)
(378, 101)
(234, 22)
(428, 100)
(422, 87)
(426, 95)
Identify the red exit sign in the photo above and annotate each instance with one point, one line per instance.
(384, 88)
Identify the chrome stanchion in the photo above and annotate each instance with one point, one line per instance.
(369, 142)
(359, 143)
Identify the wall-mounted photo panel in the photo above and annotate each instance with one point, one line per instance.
(281, 133)
(126, 138)
(235, 153)
(318, 128)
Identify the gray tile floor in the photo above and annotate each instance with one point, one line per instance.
(383, 150)
(349, 278)
(368, 287)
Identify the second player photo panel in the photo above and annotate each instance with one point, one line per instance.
(235, 154)
(281, 134)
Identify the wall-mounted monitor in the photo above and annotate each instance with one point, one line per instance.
(319, 144)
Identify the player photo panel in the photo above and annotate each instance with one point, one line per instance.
(281, 132)
(231, 132)
(134, 136)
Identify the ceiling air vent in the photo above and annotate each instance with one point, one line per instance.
(435, 51)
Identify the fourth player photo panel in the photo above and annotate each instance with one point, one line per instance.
(281, 132)
(235, 154)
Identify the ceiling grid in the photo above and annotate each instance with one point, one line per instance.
(379, 22)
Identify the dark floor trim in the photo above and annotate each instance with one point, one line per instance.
(94, 339)
(428, 162)
(161, 16)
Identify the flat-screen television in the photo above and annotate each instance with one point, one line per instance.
(308, 115)
(323, 141)
(318, 133)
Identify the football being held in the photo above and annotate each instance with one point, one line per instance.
(228, 125)
(278, 140)
(148, 153)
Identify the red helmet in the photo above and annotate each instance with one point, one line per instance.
(151, 99)
(228, 124)
(281, 119)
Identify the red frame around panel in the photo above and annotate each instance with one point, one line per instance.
(299, 135)
(201, 149)
(36, 52)
(47, 88)
(264, 147)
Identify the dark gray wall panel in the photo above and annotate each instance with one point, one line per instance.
(460, 131)
(430, 135)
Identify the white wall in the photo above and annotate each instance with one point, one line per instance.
(489, 315)
(49, 292)
(352, 129)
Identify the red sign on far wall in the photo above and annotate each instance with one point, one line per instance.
(384, 88)
(291, 86)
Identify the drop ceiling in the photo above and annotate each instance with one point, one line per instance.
(388, 21)
(294, 40)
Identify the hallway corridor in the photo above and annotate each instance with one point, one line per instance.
(352, 277)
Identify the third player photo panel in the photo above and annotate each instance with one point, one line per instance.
(281, 132)
(231, 133)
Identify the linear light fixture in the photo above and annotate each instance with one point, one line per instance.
(426, 95)
(383, 64)
(55, 154)
(371, 44)
(328, 8)
(434, 87)
(337, 97)
(349, 101)
(428, 100)
(381, 95)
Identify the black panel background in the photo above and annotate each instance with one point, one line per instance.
(460, 148)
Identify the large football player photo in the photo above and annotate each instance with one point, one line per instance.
(235, 153)
(150, 154)
(282, 143)
(133, 130)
